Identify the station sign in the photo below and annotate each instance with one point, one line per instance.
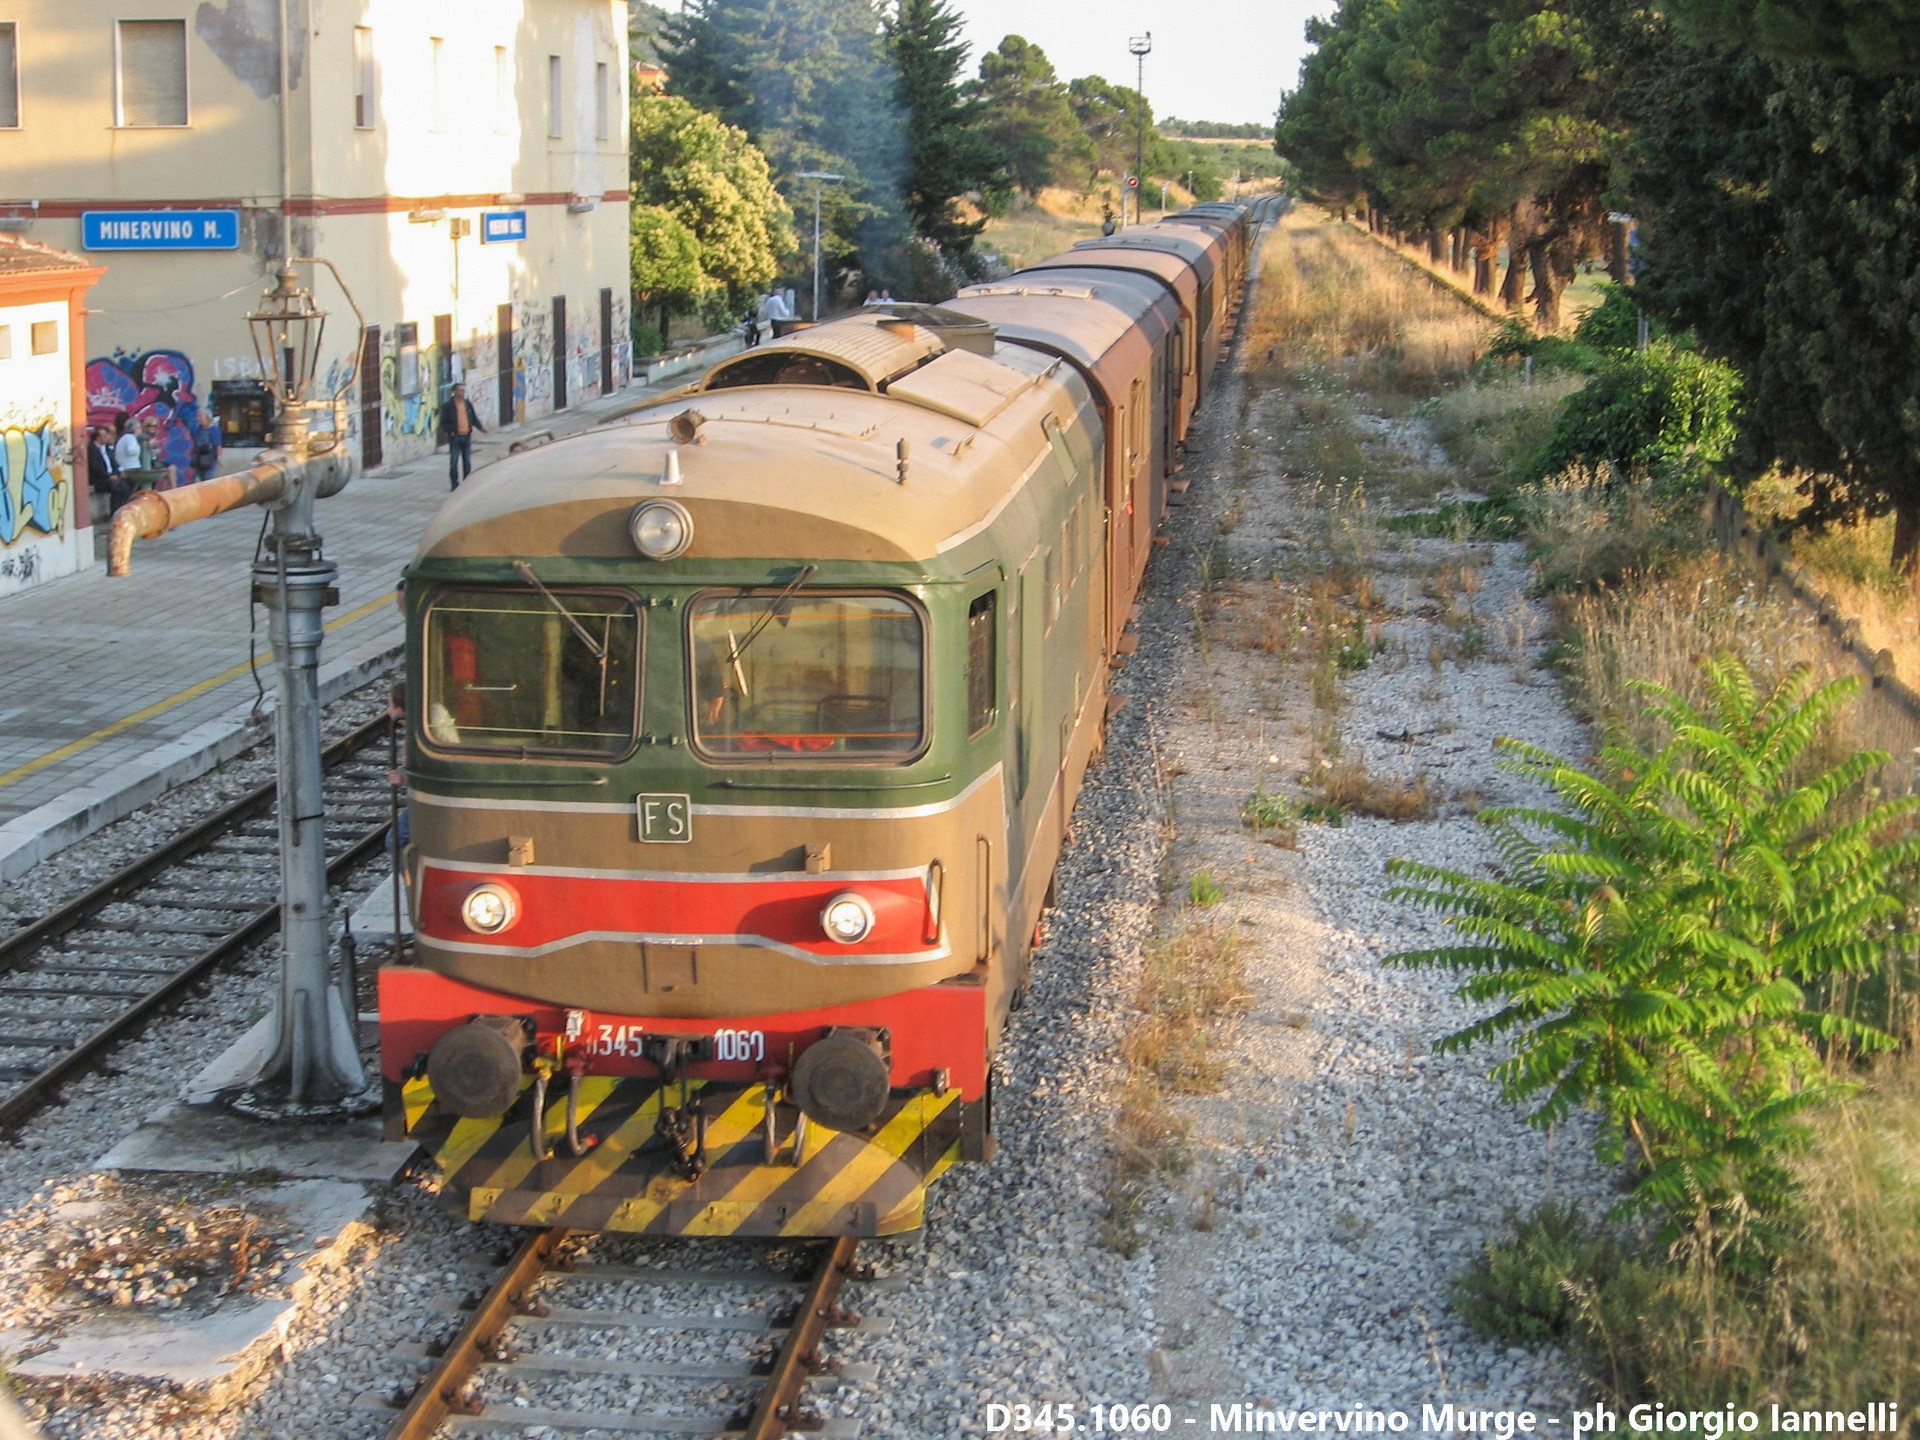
(160, 229)
(502, 227)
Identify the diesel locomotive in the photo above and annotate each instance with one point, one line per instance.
(742, 736)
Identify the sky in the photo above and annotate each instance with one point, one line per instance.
(1211, 60)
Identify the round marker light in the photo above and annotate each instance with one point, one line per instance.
(847, 918)
(490, 909)
(661, 529)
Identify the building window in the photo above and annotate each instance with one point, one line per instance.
(46, 336)
(602, 102)
(6, 342)
(151, 72)
(554, 98)
(9, 77)
(437, 73)
(502, 90)
(362, 78)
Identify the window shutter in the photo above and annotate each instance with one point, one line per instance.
(153, 72)
(9, 78)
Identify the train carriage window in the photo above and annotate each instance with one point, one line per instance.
(980, 622)
(830, 677)
(522, 670)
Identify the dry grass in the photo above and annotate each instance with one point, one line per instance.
(1850, 562)
(1192, 982)
(1489, 426)
(1348, 786)
(1333, 310)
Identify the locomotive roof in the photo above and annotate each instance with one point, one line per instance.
(780, 470)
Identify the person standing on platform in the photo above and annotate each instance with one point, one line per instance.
(457, 424)
(126, 449)
(104, 470)
(206, 446)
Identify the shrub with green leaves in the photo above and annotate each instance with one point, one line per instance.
(1527, 1288)
(1652, 940)
(1662, 409)
(1613, 326)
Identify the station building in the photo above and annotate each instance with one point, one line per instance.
(43, 511)
(461, 162)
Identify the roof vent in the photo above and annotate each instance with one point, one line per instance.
(955, 331)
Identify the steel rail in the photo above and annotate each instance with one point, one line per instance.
(772, 1414)
(121, 885)
(444, 1391)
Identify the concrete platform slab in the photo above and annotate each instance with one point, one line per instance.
(221, 1345)
(207, 1140)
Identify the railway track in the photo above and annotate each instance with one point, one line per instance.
(80, 980)
(623, 1347)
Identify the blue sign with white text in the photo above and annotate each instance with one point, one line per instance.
(499, 227)
(160, 229)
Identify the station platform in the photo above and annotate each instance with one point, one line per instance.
(119, 689)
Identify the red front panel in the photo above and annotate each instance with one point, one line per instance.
(937, 1027)
(556, 908)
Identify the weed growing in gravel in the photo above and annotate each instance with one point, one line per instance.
(1676, 943)
(1527, 1287)
(1192, 981)
(1348, 787)
(1203, 889)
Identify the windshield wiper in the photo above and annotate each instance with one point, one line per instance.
(734, 652)
(599, 650)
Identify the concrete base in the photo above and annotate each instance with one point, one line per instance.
(224, 1346)
(206, 1140)
(372, 919)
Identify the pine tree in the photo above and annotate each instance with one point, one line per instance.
(1028, 118)
(949, 153)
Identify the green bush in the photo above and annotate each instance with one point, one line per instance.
(1652, 940)
(1528, 1287)
(647, 340)
(1517, 342)
(1658, 410)
(1613, 326)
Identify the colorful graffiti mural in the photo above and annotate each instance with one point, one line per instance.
(413, 413)
(33, 483)
(154, 383)
(36, 501)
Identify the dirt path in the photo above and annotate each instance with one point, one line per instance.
(1323, 666)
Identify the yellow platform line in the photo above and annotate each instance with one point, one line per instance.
(107, 732)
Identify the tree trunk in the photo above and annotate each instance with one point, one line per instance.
(1437, 245)
(1485, 244)
(1519, 232)
(1906, 537)
(1546, 284)
(1617, 266)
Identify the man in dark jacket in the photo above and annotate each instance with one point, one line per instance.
(457, 424)
(104, 471)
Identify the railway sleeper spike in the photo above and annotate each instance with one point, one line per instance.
(838, 1317)
(464, 1401)
(532, 1309)
(499, 1349)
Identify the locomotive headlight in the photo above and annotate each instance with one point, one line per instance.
(661, 529)
(489, 909)
(847, 917)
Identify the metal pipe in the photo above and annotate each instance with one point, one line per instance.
(152, 513)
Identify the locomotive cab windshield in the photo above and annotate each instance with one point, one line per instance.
(835, 677)
(529, 670)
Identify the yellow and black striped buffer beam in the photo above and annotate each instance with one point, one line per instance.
(632, 1176)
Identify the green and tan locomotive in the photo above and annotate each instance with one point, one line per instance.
(743, 735)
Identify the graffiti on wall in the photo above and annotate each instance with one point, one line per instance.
(410, 412)
(35, 496)
(156, 384)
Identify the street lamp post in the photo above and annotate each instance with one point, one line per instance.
(819, 178)
(1140, 46)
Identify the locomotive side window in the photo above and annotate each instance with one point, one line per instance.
(827, 676)
(980, 620)
(524, 670)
